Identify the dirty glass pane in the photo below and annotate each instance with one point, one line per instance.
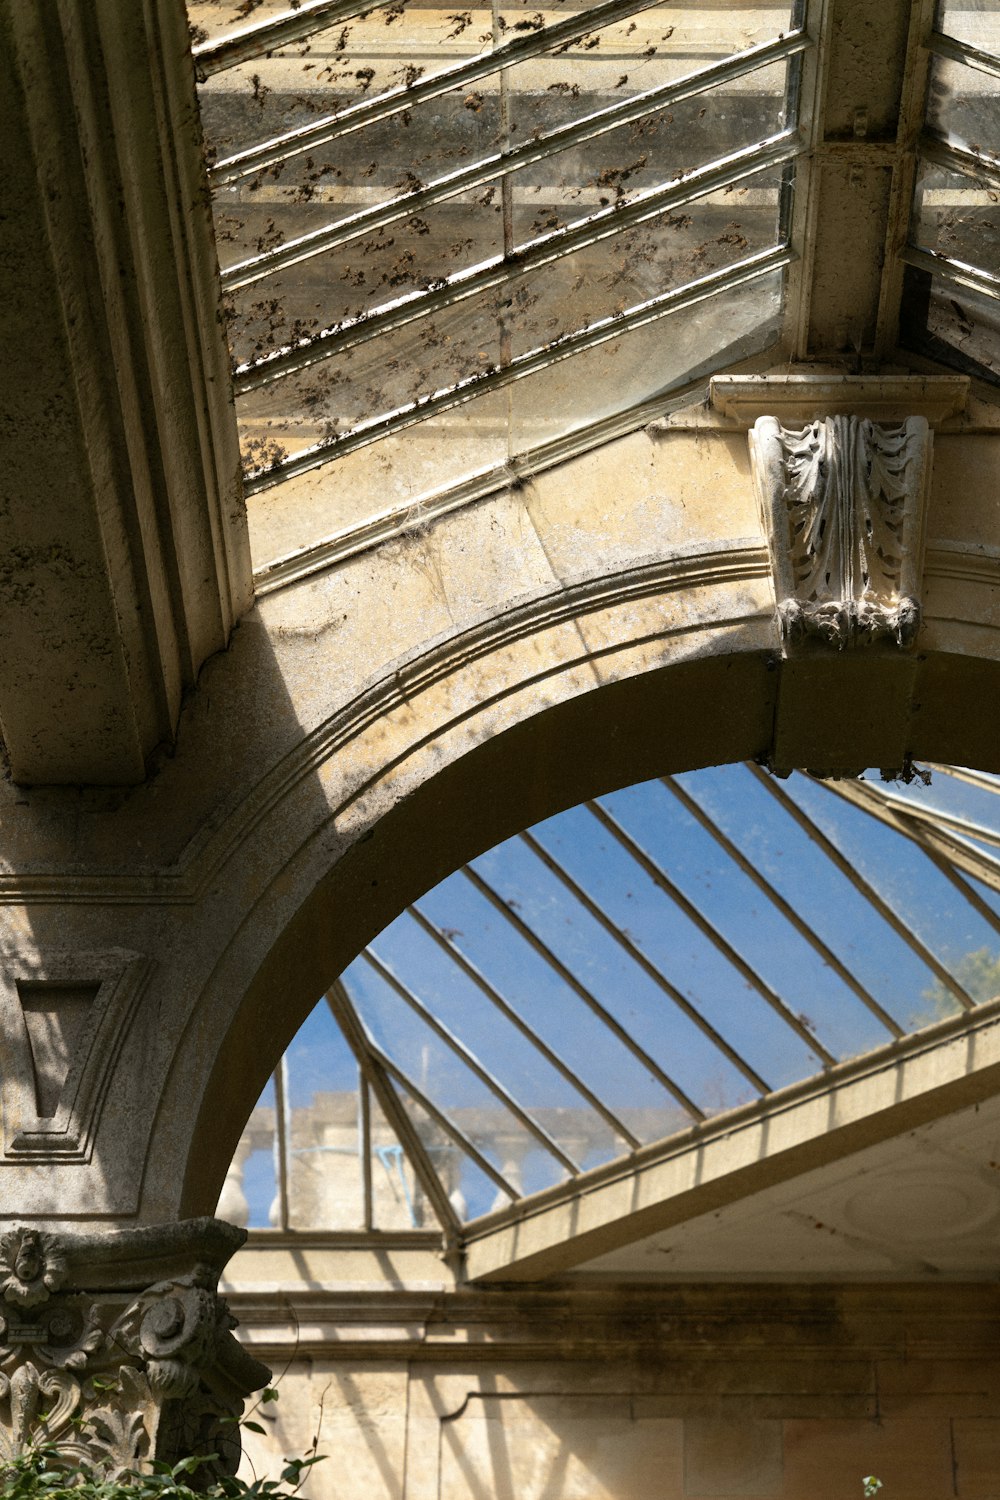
(976, 22)
(469, 1189)
(365, 273)
(958, 216)
(605, 279)
(250, 1193)
(951, 323)
(398, 1200)
(440, 1073)
(964, 103)
(211, 19)
(622, 372)
(323, 1140)
(319, 240)
(612, 169)
(359, 58)
(379, 376)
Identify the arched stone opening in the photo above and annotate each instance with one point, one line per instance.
(432, 811)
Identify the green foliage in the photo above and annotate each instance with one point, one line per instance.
(41, 1473)
(979, 975)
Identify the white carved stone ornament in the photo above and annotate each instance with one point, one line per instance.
(114, 1377)
(843, 500)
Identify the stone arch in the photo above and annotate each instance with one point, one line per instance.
(473, 771)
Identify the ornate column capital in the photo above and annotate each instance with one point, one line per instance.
(842, 501)
(116, 1348)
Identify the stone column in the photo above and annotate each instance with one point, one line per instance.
(116, 1349)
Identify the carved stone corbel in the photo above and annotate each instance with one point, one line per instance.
(842, 501)
(116, 1348)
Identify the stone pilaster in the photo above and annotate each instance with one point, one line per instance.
(117, 1349)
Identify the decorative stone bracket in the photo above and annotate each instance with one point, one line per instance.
(842, 501)
(117, 1349)
(842, 468)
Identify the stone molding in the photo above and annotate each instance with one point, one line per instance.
(842, 501)
(392, 690)
(798, 399)
(67, 1134)
(117, 1349)
(123, 525)
(733, 1323)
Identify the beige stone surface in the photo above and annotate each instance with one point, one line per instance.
(732, 1456)
(977, 1457)
(357, 1419)
(686, 1393)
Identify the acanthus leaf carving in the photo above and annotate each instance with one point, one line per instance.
(842, 500)
(116, 1377)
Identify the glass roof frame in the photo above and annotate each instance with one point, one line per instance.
(721, 174)
(951, 842)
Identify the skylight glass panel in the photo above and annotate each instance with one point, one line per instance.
(632, 969)
(485, 230)
(951, 300)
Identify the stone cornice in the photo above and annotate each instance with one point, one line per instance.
(802, 398)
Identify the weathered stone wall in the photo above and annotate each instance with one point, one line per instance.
(637, 1393)
(377, 723)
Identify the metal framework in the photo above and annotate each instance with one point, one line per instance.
(250, 169)
(521, 916)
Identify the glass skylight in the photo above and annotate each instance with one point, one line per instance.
(452, 238)
(631, 968)
(951, 307)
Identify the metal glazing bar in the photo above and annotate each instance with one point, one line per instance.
(500, 163)
(266, 36)
(968, 892)
(953, 271)
(784, 907)
(476, 486)
(864, 887)
(951, 846)
(934, 818)
(357, 1039)
(469, 969)
(963, 52)
(954, 157)
(281, 1138)
(982, 779)
(592, 1003)
(501, 271)
(365, 1147)
(940, 849)
(521, 365)
(309, 138)
(645, 964)
(661, 879)
(451, 1130)
(471, 1061)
